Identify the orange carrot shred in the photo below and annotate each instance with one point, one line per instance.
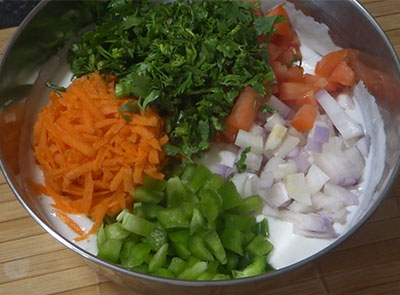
(92, 158)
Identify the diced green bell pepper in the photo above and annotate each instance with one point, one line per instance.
(177, 265)
(176, 192)
(198, 248)
(214, 182)
(157, 237)
(257, 267)
(206, 276)
(214, 243)
(248, 236)
(151, 210)
(200, 175)
(188, 172)
(240, 222)
(210, 204)
(153, 184)
(137, 225)
(180, 240)
(232, 260)
(116, 231)
(259, 246)
(139, 253)
(251, 205)
(101, 236)
(110, 250)
(231, 238)
(163, 272)
(230, 196)
(147, 195)
(172, 218)
(262, 228)
(194, 271)
(220, 277)
(137, 210)
(159, 259)
(197, 221)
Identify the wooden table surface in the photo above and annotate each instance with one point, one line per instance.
(32, 262)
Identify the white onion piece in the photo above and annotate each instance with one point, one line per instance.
(245, 139)
(321, 201)
(239, 180)
(345, 101)
(297, 188)
(363, 145)
(219, 153)
(257, 130)
(275, 137)
(320, 132)
(292, 131)
(253, 161)
(311, 221)
(337, 216)
(316, 179)
(354, 155)
(299, 207)
(265, 182)
(328, 123)
(218, 169)
(276, 118)
(269, 211)
(302, 161)
(335, 145)
(338, 168)
(314, 234)
(288, 144)
(314, 145)
(250, 185)
(277, 196)
(273, 164)
(346, 196)
(343, 123)
(278, 105)
(294, 153)
(283, 170)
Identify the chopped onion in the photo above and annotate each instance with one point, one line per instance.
(253, 161)
(265, 182)
(299, 207)
(245, 139)
(354, 155)
(269, 211)
(302, 161)
(314, 145)
(292, 131)
(337, 216)
(250, 185)
(278, 105)
(363, 145)
(283, 170)
(239, 180)
(218, 169)
(346, 196)
(275, 137)
(328, 123)
(316, 179)
(273, 164)
(276, 118)
(320, 132)
(341, 171)
(345, 101)
(297, 188)
(257, 130)
(327, 203)
(277, 196)
(314, 234)
(310, 222)
(288, 144)
(294, 153)
(344, 124)
(219, 153)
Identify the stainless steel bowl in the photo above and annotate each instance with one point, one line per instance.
(29, 61)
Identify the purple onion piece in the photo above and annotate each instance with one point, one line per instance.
(278, 105)
(302, 162)
(321, 133)
(294, 153)
(314, 145)
(341, 193)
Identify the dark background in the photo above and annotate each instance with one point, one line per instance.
(13, 12)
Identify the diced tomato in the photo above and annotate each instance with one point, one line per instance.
(329, 62)
(304, 118)
(274, 51)
(317, 81)
(243, 113)
(294, 90)
(333, 86)
(308, 98)
(285, 74)
(284, 27)
(343, 74)
(287, 56)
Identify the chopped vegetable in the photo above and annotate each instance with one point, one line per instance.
(216, 240)
(304, 118)
(93, 159)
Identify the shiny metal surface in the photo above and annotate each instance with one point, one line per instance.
(28, 62)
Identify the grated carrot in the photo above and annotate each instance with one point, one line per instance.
(92, 158)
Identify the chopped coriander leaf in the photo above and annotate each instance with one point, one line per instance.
(187, 59)
(240, 165)
(296, 58)
(266, 109)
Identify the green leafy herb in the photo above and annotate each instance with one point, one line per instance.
(130, 106)
(56, 88)
(188, 59)
(240, 165)
(266, 109)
